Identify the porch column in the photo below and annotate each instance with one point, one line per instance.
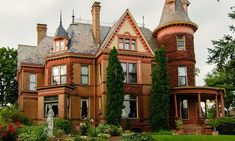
(176, 107)
(222, 104)
(199, 105)
(206, 108)
(217, 106)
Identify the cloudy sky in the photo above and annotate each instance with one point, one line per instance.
(18, 19)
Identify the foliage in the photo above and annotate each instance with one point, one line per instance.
(93, 132)
(115, 90)
(160, 92)
(226, 126)
(179, 124)
(9, 132)
(137, 137)
(84, 127)
(222, 55)
(33, 133)
(214, 123)
(57, 132)
(103, 128)
(64, 125)
(115, 131)
(104, 136)
(8, 70)
(221, 79)
(12, 114)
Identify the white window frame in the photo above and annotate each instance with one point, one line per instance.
(180, 40)
(186, 76)
(32, 83)
(87, 100)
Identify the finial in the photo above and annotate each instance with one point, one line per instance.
(73, 17)
(60, 17)
(143, 21)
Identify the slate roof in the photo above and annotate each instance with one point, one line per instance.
(179, 15)
(61, 33)
(81, 41)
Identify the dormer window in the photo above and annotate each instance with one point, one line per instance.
(127, 42)
(59, 46)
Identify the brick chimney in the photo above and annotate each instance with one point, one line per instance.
(96, 21)
(41, 32)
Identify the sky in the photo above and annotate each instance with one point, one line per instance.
(18, 20)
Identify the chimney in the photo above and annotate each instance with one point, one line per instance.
(96, 21)
(41, 32)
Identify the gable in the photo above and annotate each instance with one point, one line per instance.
(127, 27)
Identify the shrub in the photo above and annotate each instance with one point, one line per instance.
(164, 132)
(179, 124)
(58, 132)
(213, 123)
(104, 136)
(84, 127)
(12, 114)
(103, 128)
(137, 137)
(93, 132)
(115, 131)
(33, 133)
(226, 126)
(64, 125)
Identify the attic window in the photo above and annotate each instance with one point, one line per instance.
(59, 46)
(127, 42)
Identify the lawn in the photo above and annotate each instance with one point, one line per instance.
(193, 138)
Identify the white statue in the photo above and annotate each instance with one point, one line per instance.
(50, 123)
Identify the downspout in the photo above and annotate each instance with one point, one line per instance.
(94, 78)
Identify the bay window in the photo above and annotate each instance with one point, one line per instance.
(84, 74)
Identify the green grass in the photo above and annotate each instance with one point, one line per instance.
(193, 138)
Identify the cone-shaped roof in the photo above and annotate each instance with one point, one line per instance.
(60, 31)
(177, 15)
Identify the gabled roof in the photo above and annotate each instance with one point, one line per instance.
(117, 26)
(176, 16)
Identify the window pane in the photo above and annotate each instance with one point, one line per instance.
(124, 71)
(63, 79)
(84, 70)
(56, 80)
(132, 78)
(184, 108)
(84, 108)
(84, 79)
(55, 71)
(63, 70)
(120, 43)
(182, 71)
(180, 42)
(132, 68)
(182, 81)
(133, 44)
(127, 44)
(32, 78)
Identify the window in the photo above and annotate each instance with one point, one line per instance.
(100, 72)
(130, 110)
(182, 76)
(59, 75)
(53, 101)
(32, 82)
(68, 106)
(184, 108)
(59, 45)
(130, 72)
(180, 42)
(84, 75)
(127, 43)
(84, 108)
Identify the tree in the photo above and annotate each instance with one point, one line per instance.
(220, 79)
(160, 92)
(115, 90)
(223, 56)
(8, 70)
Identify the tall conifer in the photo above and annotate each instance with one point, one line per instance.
(115, 89)
(160, 92)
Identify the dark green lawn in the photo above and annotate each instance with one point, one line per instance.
(193, 138)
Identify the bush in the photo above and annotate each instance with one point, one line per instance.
(12, 114)
(33, 133)
(93, 132)
(103, 128)
(58, 132)
(84, 127)
(137, 137)
(164, 132)
(115, 131)
(226, 126)
(64, 125)
(104, 136)
(179, 124)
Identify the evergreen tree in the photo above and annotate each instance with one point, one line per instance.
(160, 92)
(115, 89)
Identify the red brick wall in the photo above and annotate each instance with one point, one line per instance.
(178, 58)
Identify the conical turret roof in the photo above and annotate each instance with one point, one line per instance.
(61, 32)
(177, 15)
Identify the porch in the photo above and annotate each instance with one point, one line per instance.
(191, 105)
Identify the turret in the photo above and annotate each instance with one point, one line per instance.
(175, 32)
